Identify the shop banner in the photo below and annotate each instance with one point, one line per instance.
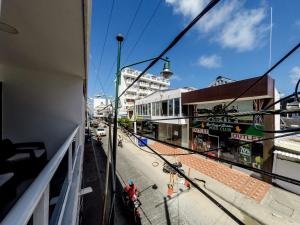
(233, 129)
(245, 153)
(245, 137)
(200, 131)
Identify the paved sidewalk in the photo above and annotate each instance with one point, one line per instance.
(241, 182)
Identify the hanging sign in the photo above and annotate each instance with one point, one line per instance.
(245, 137)
(200, 131)
(245, 153)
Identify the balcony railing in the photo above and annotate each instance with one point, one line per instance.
(35, 200)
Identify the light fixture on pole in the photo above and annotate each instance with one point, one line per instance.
(166, 73)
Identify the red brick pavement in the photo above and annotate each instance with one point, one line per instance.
(241, 182)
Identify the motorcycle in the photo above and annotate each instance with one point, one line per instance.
(120, 143)
(169, 169)
(132, 207)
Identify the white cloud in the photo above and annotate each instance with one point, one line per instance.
(295, 74)
(229, 23)
(175, 77)
(243, 32)
(211, 61)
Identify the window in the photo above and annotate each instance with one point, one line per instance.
(176, 107)
(153, 109)
(159, 109)
(164, 110)
(170, 107)
(156, 108)
(149, 109)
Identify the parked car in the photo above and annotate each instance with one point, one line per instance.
(100, 132)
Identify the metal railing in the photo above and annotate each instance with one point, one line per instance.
(35, 200)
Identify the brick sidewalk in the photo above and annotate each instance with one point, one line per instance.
(241, 182)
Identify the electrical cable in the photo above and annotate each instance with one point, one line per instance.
(126, 37)
(144, 29)
(296, 91)
(265, 74)
(190, 153)
(215, 158)
(273, 104)
(209, 6)
(105, 40)
(265, 112)
(213, 200)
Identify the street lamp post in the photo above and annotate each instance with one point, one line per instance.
(166, 73)
(120, 39)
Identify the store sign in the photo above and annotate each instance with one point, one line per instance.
(245, 137)
(220, 127)
(200, 131)
(245, 153)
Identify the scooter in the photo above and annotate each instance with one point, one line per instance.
(168, 169)
(132, 207)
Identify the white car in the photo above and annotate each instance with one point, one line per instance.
(100, 132)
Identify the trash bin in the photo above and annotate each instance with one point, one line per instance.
(142, 142)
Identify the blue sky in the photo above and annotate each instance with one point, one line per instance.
(232, 40)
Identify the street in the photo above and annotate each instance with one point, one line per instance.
(185, 207)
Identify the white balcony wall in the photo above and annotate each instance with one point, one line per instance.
(41, 106)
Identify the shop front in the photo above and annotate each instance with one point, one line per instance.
(232, 139)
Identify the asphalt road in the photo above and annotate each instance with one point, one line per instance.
(184, 208)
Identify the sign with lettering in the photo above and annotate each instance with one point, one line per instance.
(245, 153)
(200, 131)
(245, 137)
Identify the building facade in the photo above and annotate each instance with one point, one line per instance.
(233, 134)
(101, 106)
(287, 161)
(161, 105)
(146, 85)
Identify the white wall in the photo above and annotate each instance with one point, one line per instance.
(41, 106)
(185, 137)
(289, 169)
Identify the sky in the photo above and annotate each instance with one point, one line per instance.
(232, 40)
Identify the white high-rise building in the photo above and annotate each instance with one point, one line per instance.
(101, 106)
(146, 85)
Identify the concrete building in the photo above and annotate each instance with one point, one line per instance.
(220, 80)
(101, 106)
(287, 161)
(147, 84)
(159, 105)
(229, 133)
(43, 85)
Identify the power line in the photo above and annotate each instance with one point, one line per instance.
(265, 74)
(210, 116)
(144, 29)
(273, 175)
(175, 154)
(219, 205)
(209, 6)
(105, 39)
(126, 37)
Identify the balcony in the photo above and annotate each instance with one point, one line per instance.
(154, 86)
(128, 81)
(129, 96)
(144, 84)
(132, 90)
